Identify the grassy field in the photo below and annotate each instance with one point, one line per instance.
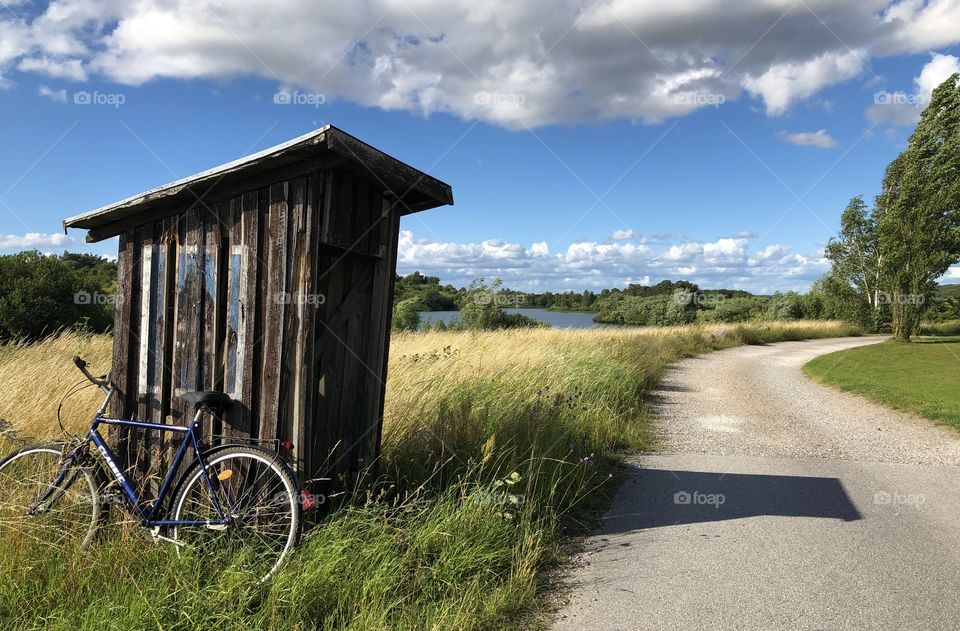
(950, 327)
(919, 377)
(495, 444)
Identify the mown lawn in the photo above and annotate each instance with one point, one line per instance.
(922, 377)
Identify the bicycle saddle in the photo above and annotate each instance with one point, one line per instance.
(207, 398)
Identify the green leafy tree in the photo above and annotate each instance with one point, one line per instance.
(480, 309)
(918, 210)
(40, 295)
(857, 259)
(406, 314)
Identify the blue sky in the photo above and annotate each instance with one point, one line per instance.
(720, 151)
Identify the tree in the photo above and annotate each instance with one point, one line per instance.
(858, 259)
(406, 315)
(481, 310)
(788, 306)
(41, 294)
(838, 300)
(918, 210)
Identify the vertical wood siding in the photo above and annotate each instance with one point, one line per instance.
(279, 296)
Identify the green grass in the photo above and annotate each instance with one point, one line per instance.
(920, 377)
(445, 538)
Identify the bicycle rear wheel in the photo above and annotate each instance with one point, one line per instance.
(70, 512)
(258, 493)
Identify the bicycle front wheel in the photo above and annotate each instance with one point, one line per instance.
(35, 508)
(257, 494)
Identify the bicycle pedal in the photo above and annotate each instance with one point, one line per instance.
(220, 527)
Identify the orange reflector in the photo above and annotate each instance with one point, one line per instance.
(225, 474)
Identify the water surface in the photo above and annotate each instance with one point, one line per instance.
(560, 319)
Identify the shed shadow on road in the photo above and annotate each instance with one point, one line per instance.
(667, 498)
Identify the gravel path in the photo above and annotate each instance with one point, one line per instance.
(777, 503)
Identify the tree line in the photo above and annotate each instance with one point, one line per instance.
(41, 294)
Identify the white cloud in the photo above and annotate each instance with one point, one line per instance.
(784, 83)
(57, 68)
(725, 262)
(918, 26)
(773, 252)
(60, 96)
(819, 139)
(627, 235)
(510, 63)
(938, 69)
(34, 240)
(904, 108)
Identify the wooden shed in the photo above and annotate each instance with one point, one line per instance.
(269, 279)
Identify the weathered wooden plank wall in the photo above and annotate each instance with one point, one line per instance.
(279, 296)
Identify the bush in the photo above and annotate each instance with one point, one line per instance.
(786, 307)
(733, 310)
(481, 310)
(837, 300)
(406, 314)
(42, 294)
(658, 310)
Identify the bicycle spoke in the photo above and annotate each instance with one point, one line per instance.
(258, 499)
(66, 516)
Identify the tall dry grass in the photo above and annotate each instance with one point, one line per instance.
(491, 443)
(35, 377)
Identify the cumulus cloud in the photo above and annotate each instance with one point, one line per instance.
(509, 63)
(904, 108)
(725, 262)
(783, 83)
(34, 240)
(819, 139)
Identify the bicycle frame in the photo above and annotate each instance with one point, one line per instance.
(148, 515)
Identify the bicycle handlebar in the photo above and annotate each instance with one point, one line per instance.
(82, 367)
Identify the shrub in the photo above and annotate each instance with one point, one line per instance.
(42, 294)
(406, 314)
(657, 310)
(788, 306)
(481, 310)
(732, 310)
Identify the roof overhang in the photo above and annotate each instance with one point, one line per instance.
(326, 147)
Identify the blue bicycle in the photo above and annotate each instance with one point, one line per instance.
(231, 500)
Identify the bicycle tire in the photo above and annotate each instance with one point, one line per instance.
(72, 513)
(258, 490)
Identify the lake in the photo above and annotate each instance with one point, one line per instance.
(560, 319)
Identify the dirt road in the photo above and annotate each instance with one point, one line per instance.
(777, 503)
